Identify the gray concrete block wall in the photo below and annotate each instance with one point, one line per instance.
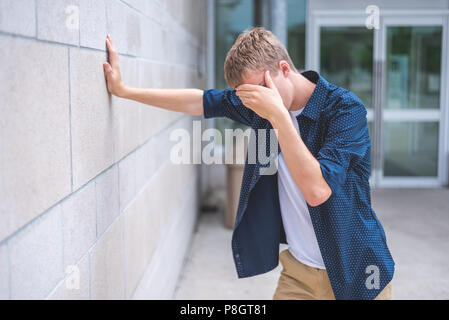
(87, 189)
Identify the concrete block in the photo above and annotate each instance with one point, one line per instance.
(116, 24)
(135, 242)
(178, 176)
(151, 9)
(126, 113)
(127, 180)
(18, 17)
(79, 223)
(169, 45)
(169, 76)
(195, 8)
(4, 272)
(175, 175)
(162, 140)
(58, 21)
(108, 201)
(107, 264)
(155, 204)
(34, 130)
(145, 164)
(153, 119)
(150, 74)
(154, 37)
(134, 32)
(164, 203)
(92, 129)
(123, 24)
(174, 8)
(160, 278)
(181, 77)
(93, 24)
(75, 285)
(36, 257)
(158, 146)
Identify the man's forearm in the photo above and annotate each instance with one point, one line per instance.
(302, 165)
(181, 100)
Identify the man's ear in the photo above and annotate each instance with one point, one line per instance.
(285, 67)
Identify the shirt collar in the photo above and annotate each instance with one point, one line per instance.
(316, 102)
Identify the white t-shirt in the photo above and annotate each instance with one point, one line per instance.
(298, 226)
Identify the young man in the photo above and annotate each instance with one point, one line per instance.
(318, 201)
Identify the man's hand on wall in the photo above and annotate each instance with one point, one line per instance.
(112, 70)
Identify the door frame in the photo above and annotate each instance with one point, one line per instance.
(339, 18)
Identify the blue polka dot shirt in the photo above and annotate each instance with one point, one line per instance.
(352, 241)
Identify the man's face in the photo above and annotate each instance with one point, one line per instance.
(281, 82)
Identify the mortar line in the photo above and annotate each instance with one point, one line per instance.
(64, 278)
(140, 12)
(191, 37)
(67, 45)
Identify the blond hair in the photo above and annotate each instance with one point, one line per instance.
(256, 49)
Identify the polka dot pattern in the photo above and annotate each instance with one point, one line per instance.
(352, 241)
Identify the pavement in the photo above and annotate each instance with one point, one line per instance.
(416, 223)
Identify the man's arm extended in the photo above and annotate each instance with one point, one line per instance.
(181, 100)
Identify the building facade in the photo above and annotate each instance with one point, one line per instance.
(392, 54)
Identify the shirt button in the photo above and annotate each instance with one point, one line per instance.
(237, 256)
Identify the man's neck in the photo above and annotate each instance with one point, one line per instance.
(303, 90)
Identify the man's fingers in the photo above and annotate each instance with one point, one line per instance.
(243, 94)
(107, 67)
(269, 81)
(108, 37)
(246, 99)
(113, 56)
(110, 40)
(247, 87)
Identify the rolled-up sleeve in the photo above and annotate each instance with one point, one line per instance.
(347, 141)
(225, 103)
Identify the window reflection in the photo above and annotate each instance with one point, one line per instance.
(413, 67)
(346, 59)
(410, 149)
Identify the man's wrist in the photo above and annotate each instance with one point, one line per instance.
(279, 118)
(122, 91)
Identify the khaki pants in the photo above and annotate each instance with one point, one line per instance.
(302, 282)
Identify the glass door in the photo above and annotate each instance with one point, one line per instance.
(397, 71)
(346, 59)
(412, 119)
